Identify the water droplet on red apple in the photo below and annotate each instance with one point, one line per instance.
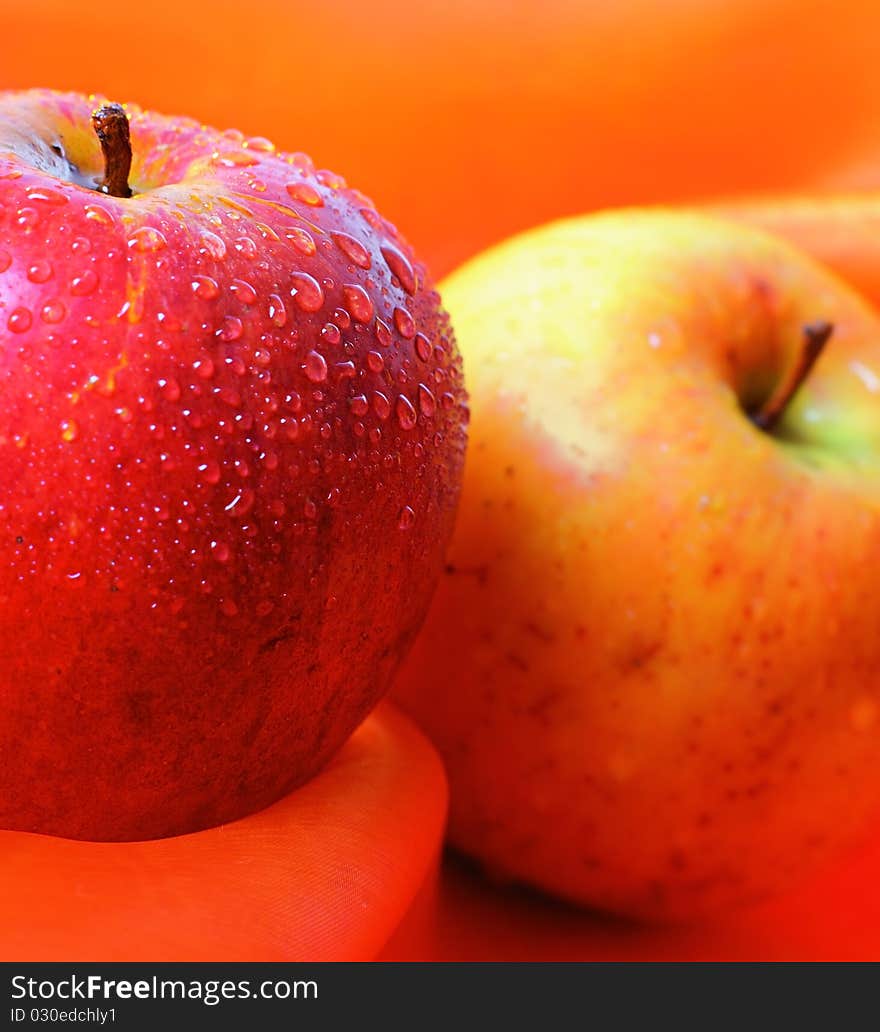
(246, 247)
(98, 213)
(242, 503)
(427, 404)
(40, 271)
(353, 249)
(259, 143)
(20, 320)
(316, 367)
(277, 311)
(46, 195)
(266, 232)
(85, 284)
(305, 193)
(383, 333)
(404, 323)
(69, 430)
(381, 405)
(231, 329)
(375, 362)
(357, 301)
(330, 333)
(27, 218)
(302, 241)
(406, 414)
(228, 607)
(290, 428)
(204, 368)
(405, 518)
(331, 179)
(146, 239)
(341, 318)
(306, 292)
(237, 159)
(243, 291)
(213, 246)
(170, 388)
(369, 214)
(401, 268)
(53, 312)
(359, 405)
(423, 347)
(210, 471)
(205, 287)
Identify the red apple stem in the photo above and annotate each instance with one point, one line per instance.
(815, 337)
(110, 123)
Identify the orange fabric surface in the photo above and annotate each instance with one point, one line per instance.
(834, 916)
(324, 874)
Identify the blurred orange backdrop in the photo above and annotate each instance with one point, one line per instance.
(467, 120)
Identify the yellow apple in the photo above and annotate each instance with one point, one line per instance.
(653, 663)
(842, 232)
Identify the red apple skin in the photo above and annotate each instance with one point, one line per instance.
(231, 445)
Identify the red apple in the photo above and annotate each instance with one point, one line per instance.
(231, 440)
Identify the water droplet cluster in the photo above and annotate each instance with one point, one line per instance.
(241, 356)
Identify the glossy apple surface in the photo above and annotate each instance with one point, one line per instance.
(663, 695)
(231, 436)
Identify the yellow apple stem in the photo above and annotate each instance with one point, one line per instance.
(110, 123)
(815, 337)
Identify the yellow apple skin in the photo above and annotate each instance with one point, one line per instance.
(653, 664)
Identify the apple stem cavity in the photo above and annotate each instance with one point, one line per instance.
(110, 123)
(814, 338)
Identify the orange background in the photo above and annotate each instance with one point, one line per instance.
(467, 120)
